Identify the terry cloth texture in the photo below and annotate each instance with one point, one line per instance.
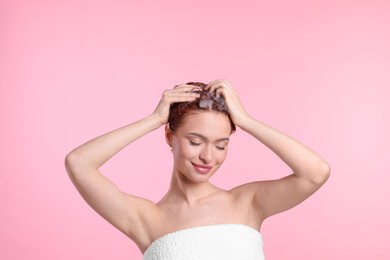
(213, 242)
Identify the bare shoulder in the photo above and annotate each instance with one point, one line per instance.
(242, 197)
(247, 191)
(271, 197)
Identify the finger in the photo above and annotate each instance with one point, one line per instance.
(218, 84)
(213, 83)
(172, 96)
(186, 84)
(185, 87)
(178, 85)
(182, 99)
(219, 91)
(219, 81)
(184, 94)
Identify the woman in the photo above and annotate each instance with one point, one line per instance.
(195, 219)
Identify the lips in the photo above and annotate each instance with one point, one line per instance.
(202, 168)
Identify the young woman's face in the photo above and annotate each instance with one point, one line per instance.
(200, 145)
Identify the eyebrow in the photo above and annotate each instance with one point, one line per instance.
(205, 138)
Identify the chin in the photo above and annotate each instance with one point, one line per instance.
(198, 178)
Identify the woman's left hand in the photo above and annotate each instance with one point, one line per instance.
(236, 109)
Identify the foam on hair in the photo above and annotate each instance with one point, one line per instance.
(208, 101)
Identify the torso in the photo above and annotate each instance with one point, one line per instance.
(223, 207)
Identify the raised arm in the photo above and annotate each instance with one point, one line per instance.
(126, 212)
(310, 171)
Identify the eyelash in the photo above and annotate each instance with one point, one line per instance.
(196, 144)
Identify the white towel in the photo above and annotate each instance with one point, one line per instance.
(213, 242)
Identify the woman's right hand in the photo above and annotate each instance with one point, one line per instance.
(180, 93)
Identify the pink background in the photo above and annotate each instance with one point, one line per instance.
(72, 70)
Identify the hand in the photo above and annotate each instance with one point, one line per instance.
(236, 109)
(180, 93)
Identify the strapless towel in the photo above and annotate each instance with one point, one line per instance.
(213, 242)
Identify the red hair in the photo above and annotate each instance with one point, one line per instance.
(206, 102)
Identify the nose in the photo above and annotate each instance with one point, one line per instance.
(206, 155)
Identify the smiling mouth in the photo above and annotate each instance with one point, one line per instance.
(202, 168)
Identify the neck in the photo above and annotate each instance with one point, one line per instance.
(183, 190)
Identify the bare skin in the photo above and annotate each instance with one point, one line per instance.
(202, 141)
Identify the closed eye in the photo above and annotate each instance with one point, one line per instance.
(220, 147)
(194, 143)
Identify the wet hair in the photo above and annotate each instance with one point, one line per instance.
(206, 102)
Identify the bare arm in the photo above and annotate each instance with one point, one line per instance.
(310, 171)
(124, 211)
(99, 192)
(97, 151)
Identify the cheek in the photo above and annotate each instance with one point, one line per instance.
(221, 156)
(184, 150)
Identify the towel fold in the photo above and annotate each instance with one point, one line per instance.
(213, 242)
